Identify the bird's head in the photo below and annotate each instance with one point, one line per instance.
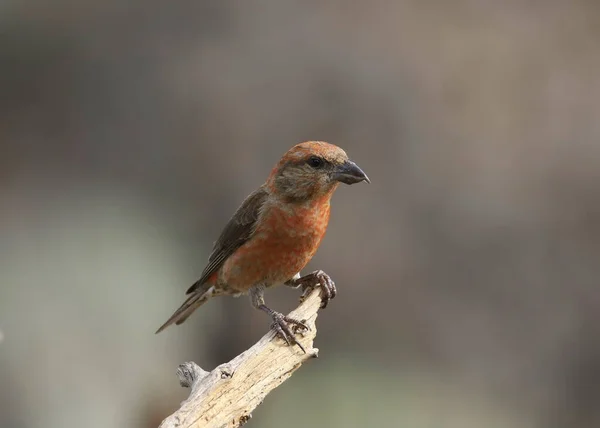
(313, 169)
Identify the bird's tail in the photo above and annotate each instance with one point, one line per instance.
(200, 295)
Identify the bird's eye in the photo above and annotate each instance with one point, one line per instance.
(315, 162)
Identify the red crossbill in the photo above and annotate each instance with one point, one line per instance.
(275, 233)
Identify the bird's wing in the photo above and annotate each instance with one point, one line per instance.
(236, 233)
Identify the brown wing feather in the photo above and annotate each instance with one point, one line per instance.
(236, 232)
(190, 305)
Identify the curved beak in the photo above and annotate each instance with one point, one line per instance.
(349, 173)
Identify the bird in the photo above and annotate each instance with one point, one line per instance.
(275, 233)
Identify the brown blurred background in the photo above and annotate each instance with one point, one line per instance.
(468, 270)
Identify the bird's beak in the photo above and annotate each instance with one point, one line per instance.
(349, 173)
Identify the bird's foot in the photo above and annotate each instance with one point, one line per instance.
(286, 328)
(318, 279)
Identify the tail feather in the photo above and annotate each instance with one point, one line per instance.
(190, 305)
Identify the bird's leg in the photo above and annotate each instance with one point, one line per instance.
(281, 323)
(309, 282)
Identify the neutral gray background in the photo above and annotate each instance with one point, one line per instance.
(468, 270)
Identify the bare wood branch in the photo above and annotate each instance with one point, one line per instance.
(226, 396)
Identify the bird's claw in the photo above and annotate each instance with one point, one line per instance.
(281, 325)
(318, 279)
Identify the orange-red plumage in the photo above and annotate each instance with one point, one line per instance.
(276, 231)
(283, 243)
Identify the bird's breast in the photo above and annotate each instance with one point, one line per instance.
(284, 241)
(295, 229)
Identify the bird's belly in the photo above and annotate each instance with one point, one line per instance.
(279, 249)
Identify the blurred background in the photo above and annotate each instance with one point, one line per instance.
(468, 270)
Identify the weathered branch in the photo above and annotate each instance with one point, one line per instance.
(226, 396)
